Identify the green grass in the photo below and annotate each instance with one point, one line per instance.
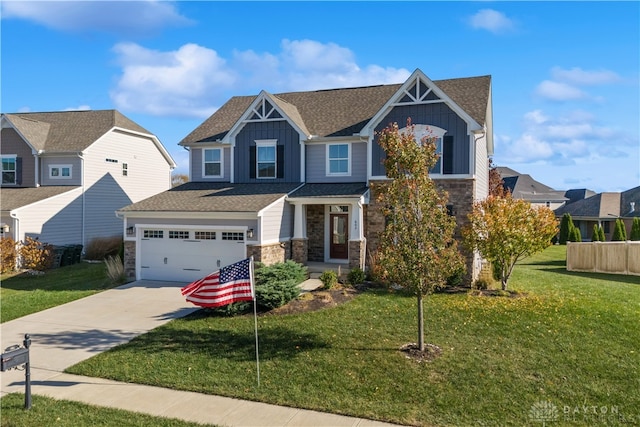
(47, 412)
(22, 294)
(572, 341)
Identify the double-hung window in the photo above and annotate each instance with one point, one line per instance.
(212, 164)
(266, 156)
(9, 169)
(338, 159)
(60, 171)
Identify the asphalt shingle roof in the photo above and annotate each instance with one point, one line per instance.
(213, 197)
(351, 189)
(341, 112)
(604, 205)
(69, 131)
(14, 198)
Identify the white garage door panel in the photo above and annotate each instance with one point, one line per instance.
(186, 260)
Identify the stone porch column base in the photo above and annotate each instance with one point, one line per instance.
(357, 249)
(299, 250)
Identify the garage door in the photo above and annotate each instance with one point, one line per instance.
(185, 255)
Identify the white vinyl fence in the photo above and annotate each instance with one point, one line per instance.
(604, 257)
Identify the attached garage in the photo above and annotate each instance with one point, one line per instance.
(185, 254)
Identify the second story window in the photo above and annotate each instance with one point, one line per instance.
(60, 171)
(266, 159)
(212, 163)
(125, 169)
(338, 161)
(9, 170)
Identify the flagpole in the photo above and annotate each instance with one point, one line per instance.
(255, 321)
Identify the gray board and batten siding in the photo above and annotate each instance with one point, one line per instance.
(288, 151)
(438, 114)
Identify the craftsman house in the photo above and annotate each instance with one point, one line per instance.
(291, 176)
(64, 174)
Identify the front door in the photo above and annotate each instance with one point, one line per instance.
(338, 232)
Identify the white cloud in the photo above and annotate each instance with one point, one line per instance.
(121, 17)
(83, 107)
(180, 82)
(492, 21)
(558, 91)
(571, 138)
(193, 80)
(578, 76)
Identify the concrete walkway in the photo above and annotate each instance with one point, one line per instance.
(65, 335)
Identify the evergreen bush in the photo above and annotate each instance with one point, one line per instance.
(635, 229)
(356, 276)
(280, 272)
(575, 235)
(619, 232)
(276, 293)
(566, 224)
(329, 279)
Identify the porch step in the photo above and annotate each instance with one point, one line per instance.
(315, 269)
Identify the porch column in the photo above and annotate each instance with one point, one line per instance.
(357, 242)
(299, 242)
(299, 229)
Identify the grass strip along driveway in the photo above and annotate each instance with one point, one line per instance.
(22, 293)
(570, 342)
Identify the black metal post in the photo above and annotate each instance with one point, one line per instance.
(27, 374)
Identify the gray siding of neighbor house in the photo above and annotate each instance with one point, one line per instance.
(56, 220)
(13, 144)
(76, 170)
(196, 166)
(101, 201)
(439, 115)
(316, 162)
(286, 136)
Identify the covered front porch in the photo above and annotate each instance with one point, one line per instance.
(328, 224)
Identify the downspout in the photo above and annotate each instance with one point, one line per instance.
(83, 199)
(15, 225)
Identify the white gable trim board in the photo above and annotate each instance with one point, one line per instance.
(180, 253)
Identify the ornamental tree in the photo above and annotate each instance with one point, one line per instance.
(505, 230)
(417, 248)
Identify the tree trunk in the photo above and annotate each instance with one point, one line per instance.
(420, 323)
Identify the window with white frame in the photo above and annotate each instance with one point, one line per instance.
(266, 159)
(60, 171)
(9, 169)
(436, 134)
(338, 159)
(212, 162)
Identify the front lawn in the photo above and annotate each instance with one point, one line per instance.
(572, 342)
(46, 412)
(22, 294)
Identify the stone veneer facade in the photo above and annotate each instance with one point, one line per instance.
(315, 233)
(461, 198)
(270, 254)
(299, 250)
(130, 259)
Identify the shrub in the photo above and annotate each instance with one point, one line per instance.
(276, 293)
(115, 269)
(36, 255)
(9, 254)
(635, 229)
(103, 247)
(575, 235)
(566, 224)
(233, 309)
(280, 272)
(619, 232)
(356, 276)
(329, 279)
(457, 277)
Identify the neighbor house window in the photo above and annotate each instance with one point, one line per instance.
(212, 163)
(266, 159)
(125, 169)
(9, 169)
(60, 171)
(338, 159)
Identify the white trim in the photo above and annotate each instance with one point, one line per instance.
(327, 230)
(71, 188)
(60, 168)
(221, 162)
(153, 138)
(15, 170)
(178, 215)
(328, 159)
(267, 143)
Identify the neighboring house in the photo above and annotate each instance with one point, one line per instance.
(293, 176)
(603, 209)
(523, 186)
(64, 174)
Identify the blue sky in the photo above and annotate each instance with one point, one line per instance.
(566, 99)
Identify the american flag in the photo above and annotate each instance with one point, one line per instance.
(229, 284)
